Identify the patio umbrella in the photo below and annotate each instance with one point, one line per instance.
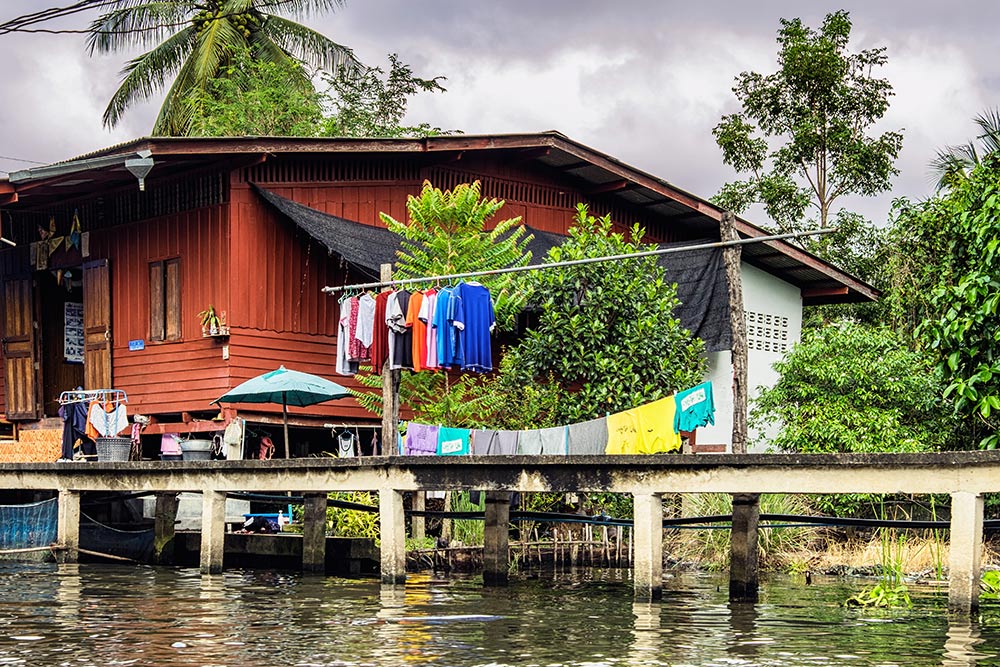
(286, 387)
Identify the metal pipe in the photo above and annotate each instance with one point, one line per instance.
(577, 262)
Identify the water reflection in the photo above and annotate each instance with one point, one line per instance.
(743, 640)
(960, 647)
(646, 636)
(103, 615)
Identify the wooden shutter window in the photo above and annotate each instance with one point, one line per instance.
(165, 300)
(172, 306)
(157, 299)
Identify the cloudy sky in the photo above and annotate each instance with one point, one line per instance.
(644, 81)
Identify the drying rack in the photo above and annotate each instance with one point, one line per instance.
(104, 396)
(115, 396)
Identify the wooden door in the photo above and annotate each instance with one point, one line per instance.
(20, 350)
(96, 325)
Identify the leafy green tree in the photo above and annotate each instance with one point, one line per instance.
(449, 232)
(452, 231)
(964, 305)
(199, 37)
(802, 137)
(255, 98)
(606, 338)
(854, 388)
(954, 163)
(371, 103)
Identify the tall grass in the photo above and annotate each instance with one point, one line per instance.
(468, 531)
(778, 547)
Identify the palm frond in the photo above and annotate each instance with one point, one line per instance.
(216, 44)
(136, 23)
(989, 124)
(146, 74)
(297, 7)
(308, 45)
(264, 49)
(173, 120)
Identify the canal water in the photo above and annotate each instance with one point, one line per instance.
(101, 615)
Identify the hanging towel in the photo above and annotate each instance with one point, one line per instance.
(694, 407)
(453, 441)
(494, 443)
(587, 438)
(647, 429)
(542, 441)
(421, 440)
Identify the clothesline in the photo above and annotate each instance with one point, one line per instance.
(576, 262)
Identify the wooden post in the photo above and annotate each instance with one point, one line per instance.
(68, 526)
(647, 573)
(314, 533)
(743, 548)
(213, 531)
(965, 551)
(737, 326)
(496, 564)
(392, 532)
(165, 518)
(390, 394)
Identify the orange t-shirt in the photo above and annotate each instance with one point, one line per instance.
(419, 329)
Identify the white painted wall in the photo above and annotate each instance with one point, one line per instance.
(774, 323)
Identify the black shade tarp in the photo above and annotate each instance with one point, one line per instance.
(701, 286)
(363, 245)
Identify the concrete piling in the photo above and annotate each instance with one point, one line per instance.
(392, 531)
(647, 571)
(165, 518)
(966, 548)
(314, 533)
(68, 526)
(213, 531)
(496, 558)
(743, 579)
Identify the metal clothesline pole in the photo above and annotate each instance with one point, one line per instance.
(577, 262)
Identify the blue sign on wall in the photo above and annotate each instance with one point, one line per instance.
(136, 345)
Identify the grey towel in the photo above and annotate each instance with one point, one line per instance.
(588, 438)
(494, 443)
(544, 441)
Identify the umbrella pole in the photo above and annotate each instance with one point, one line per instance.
(284, 413)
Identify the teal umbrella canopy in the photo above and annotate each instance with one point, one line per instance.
(285, 387)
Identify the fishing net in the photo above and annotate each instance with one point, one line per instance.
(28, 526)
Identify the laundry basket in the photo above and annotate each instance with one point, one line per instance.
(113, 449)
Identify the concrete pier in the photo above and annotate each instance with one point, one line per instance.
(392, 531)
(213, 531)
(418, 523)
(314, 533)
(743, 556)
(965, 551)
(496, 531)
(647, 569)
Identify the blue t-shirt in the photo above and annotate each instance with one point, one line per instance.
(445, 331)
(477, 322)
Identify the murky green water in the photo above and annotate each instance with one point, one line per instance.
(107, 615)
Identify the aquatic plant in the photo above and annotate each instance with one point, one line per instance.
(989, 584)
(890, 591)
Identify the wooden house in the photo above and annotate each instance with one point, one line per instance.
(114, 300)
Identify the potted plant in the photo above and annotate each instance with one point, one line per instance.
(212, 324)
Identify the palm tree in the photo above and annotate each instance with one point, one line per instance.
(198, 39)
(953, 163)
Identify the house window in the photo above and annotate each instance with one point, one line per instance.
(165, 300)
